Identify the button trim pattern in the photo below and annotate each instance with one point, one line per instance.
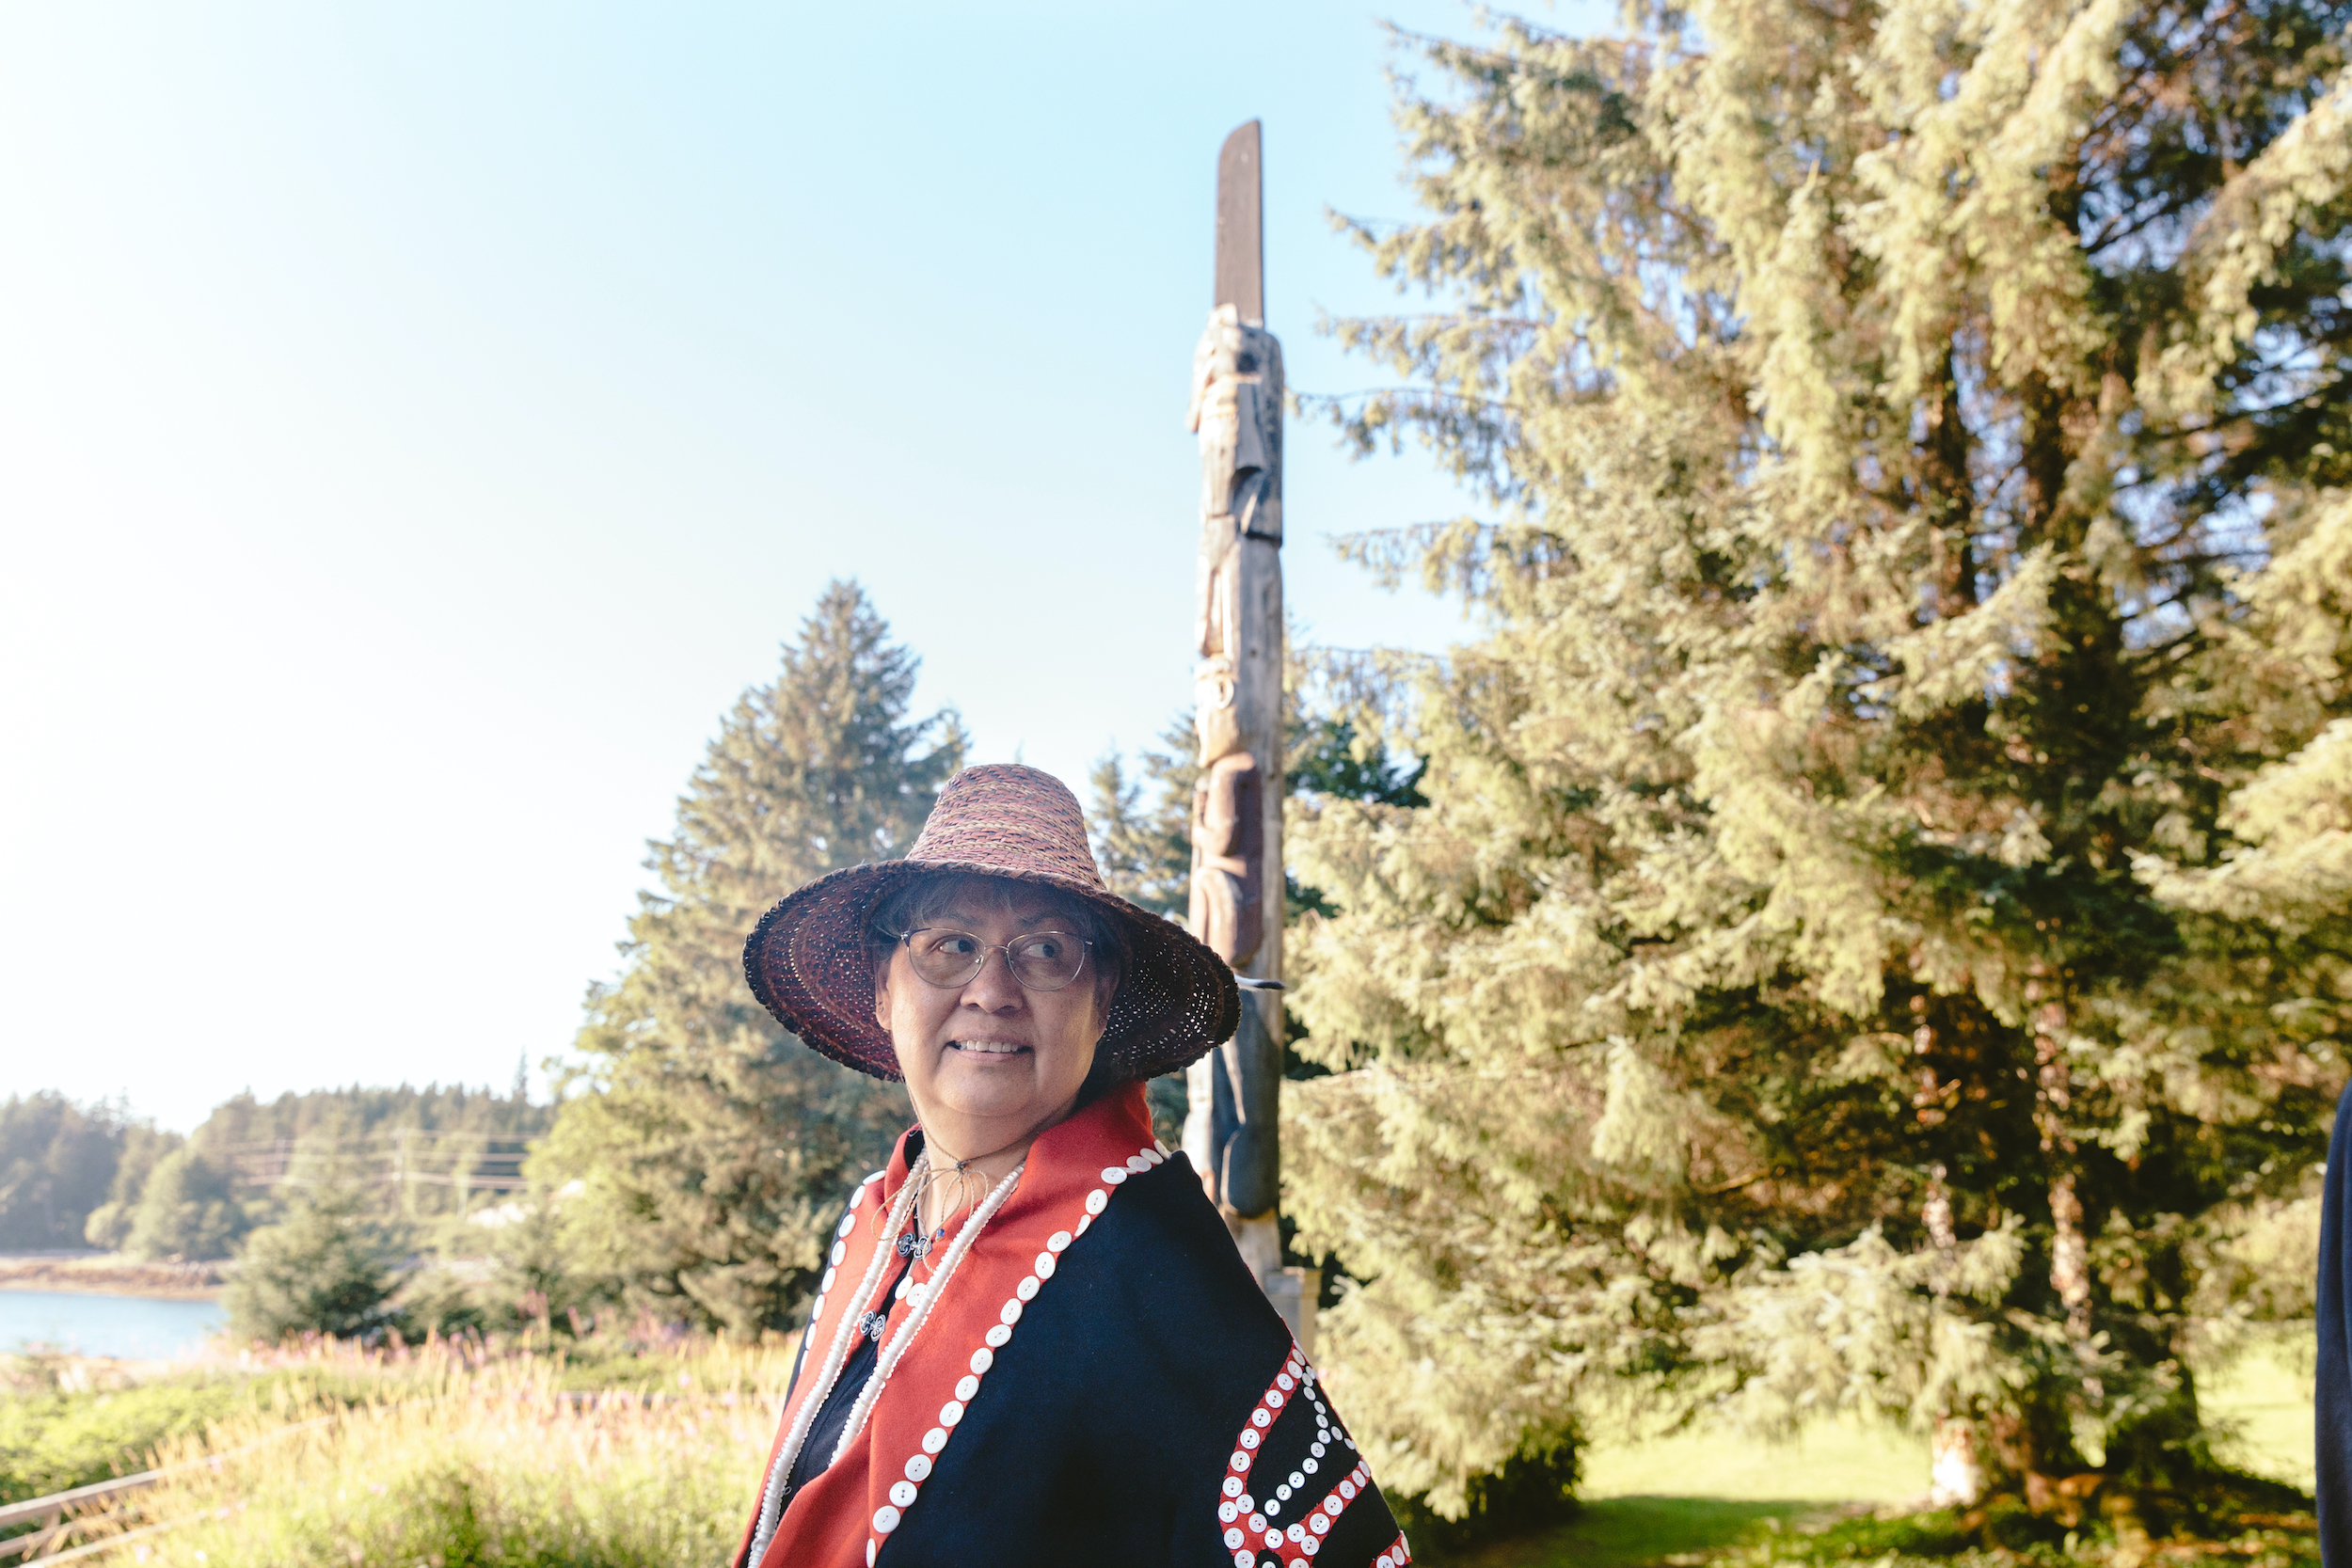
(1253, 1530)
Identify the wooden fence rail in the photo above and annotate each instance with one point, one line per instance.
(51, 1512)
(54, 1526)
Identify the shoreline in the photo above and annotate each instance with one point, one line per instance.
(105, 1274)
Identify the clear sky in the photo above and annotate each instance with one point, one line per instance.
(418, 422)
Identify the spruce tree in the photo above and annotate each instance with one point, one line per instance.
(1141, 828)
(714, 1148)
(325, 1267)
(1877, 934)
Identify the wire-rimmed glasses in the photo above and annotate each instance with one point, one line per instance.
(1040, 960)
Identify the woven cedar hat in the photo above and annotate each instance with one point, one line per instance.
(807, 959)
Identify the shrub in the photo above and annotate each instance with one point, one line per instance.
(188, 1211)
(323, 1269)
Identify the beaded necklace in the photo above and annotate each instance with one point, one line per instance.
(838, 1353)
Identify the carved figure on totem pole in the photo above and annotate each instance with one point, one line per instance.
(1237, 815)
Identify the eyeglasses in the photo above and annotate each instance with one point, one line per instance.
(1041, 961)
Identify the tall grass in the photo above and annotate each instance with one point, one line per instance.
(456, 1465)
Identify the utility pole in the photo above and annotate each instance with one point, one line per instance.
(1232, 1130)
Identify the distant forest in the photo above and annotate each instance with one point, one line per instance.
(93, 1176)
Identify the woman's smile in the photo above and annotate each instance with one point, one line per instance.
(1002, 1050)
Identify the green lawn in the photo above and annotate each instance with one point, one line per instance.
(1681, 1498)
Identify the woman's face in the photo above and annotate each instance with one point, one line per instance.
(990, 1062)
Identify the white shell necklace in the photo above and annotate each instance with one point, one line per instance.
(838, 1352)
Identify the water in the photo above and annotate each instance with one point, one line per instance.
(139, 1328)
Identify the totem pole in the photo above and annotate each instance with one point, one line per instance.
(1232, 1129)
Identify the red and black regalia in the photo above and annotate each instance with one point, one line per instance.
(1087, 1373)
(1100, 1381)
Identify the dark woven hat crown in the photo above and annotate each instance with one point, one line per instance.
(809, 963)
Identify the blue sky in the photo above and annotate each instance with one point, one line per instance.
(418, 422)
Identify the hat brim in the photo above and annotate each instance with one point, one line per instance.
(808, 965)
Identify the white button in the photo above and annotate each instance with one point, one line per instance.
(1137, 1164)
(1226, 1513)
(1274, 1399)
(918, 1468)
(1043, 1267)
(886, 1520)
(817, 1312)
(1249, 1437)
(1332, 1506)
(1284, 1382)
(1307, 1465)
(1234, 1536)
(1114, 1175)
(1085, 1219)
(1257, 1523)
(1244, 1503)
(1261, 1419)
(1057, 1241)
(982, 1360)
(902, 1494)
(997, 1335)
(1283, 1491)
(934, 1440)
(1316, 1448)
(840, 1250)
(1240, 1460)
(1297, 1532)
(1311, 1545)
(1385, 1561)
(1320, 1523)
(950, 1413)
(1011, 1314)
(1348, 1490)
(1097, 1201)
(825, 1284)
(1026, 1290)
(1232, 1486)
(903, 1286)
(1244, 1558)
(870, 1552)
(1274, 1537)
(966, 1387)
(849, 1223)
(874, 1178)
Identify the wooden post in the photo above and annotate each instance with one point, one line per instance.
(1232, 1131)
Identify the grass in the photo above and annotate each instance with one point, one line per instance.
(440, 1457)
(1714, 1494)
(496, 1467)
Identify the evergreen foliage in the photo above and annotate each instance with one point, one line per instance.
(1876, 937)
(713, 1147)
(187, 1210)
(418, 1157)
(142, 1149)
(1141, 828)
(323, 1268)
(56, 1161)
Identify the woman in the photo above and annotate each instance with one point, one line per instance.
(1033, 1341)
